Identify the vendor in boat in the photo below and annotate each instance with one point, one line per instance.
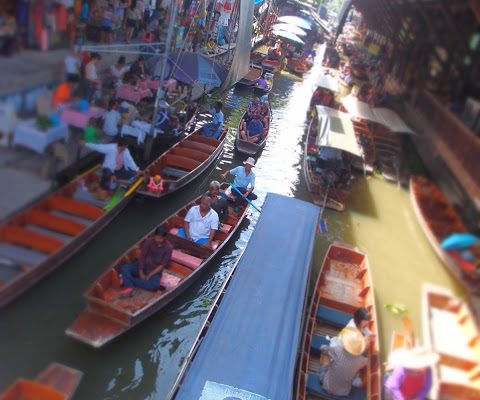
(215, 128)
(118, 163)
(146, 274)
(346, 361)
(201, 223)
(411, 378)
(254, 131)
(219, 204)
(244, 182)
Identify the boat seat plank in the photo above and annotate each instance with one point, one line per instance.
(317, 342)
(204, 139)
(9, 273)
(21, 237)
(54, 223)
(190, 153)
(315, 387)
(80, 220)
(22, 255)
(205, 148)
(60, 377)
(47, 232)
(333, 317)
(74, 207)
(174, 172)
(181, 163)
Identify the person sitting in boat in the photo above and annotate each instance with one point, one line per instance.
(411, 378)
(254, 131)
(146, 274)
(361, 319)
(215, 128)
(244, 182)
(201, 223)
(117, 164)
(219, 204)
(253, 108)
(265, 114)
(346, 361)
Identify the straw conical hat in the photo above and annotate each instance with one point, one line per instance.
(353, 341)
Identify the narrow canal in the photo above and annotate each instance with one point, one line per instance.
(143, 364)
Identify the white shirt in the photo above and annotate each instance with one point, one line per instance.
(91, 71)
(110, 123)
(111, 150)
(199, 226)
(118, 72)
(72, 64)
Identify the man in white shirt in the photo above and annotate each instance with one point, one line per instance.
(92, 82)
(201, 223)
(112, 119)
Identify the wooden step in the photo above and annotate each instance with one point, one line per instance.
(74, 207)
(54, 223)
(20, 236)
(56, 235)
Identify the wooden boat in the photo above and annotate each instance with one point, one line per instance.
(343, 285)
(439, 220)
(451, 331)
(184, 162)
(108, 314)
(246, 147)
(268, 76)
(254, 73)
(56, 382)
(40, 238)
(271, 65)
(296, 66)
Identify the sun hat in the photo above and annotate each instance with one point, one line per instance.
(416, 358)
(353, 341)
(250, 161)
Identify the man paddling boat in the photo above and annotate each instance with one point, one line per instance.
(244, 182)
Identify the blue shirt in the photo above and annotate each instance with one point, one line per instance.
(218, 119)
(241, 179)
(255, 129)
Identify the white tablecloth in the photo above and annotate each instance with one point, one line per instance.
(28, 135)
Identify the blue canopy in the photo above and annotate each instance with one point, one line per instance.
(251, 347)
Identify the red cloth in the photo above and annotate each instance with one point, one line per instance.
(412, 385)
(62, 18)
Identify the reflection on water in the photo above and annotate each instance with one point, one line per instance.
(143, 363)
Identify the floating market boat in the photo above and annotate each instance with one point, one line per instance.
(40, 238)
(268, 77)
(56, 382)
(183, 162)
(109, 314)
(254, 73)
(272, 65)
(439, 220)
(343, 285)
(296, 66)
(250, 148)
(451, 331)
(256, 330)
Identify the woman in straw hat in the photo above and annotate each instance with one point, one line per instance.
(244, 181)
(411, 378)
(346, 361)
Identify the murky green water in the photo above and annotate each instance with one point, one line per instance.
(143, 364)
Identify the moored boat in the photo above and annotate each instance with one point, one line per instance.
(40, 238)
(109, 314)
(438, 220)
(296, 66)
(271, 65)
(343, 285)
(249, 80)
(183, 162)
(250, 148)
(452, 332)
(56, 382)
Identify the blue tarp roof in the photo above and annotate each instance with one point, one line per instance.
(250, 350)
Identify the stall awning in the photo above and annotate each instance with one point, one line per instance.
(327, 82)
(250, 350)
(383, 116)
(336, 131)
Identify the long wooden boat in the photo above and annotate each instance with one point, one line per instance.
(109, 315)
(272, 65)
(451, 331)
(40, 238)
(254, 73)
(343, 285)
(249, 148)
(184, 161)
(56, 382)
(438, 220)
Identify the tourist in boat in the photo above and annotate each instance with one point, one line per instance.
(118, 163)
(346, 361)
(146, 274)
(244, 182)
(215, 128)
(219, 204)
(201, 223)
(411, 378)
(265, 114)
(254, 130)
(253, 108)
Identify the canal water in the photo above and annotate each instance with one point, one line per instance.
(143, 363)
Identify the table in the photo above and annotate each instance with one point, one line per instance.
(133, 95)
(28, 135)
(80, 119)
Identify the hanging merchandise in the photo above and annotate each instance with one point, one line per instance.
(179, 37)
(227, 6)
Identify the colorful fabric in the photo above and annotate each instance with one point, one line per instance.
(406, 385)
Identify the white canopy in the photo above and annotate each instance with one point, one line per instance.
(383, 116)
(327, 82)
(336, 131)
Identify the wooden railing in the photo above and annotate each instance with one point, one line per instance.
(455, 142)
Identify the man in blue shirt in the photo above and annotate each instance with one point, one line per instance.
(215, 128)
(254, 131)
(244, 182)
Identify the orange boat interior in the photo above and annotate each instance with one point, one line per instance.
(30, 238)
(458, 370)
(343, 287)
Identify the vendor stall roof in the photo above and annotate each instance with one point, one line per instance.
(382, 116)
(336, 131)
(327, 82)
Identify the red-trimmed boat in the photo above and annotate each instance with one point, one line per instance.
(109, 314)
